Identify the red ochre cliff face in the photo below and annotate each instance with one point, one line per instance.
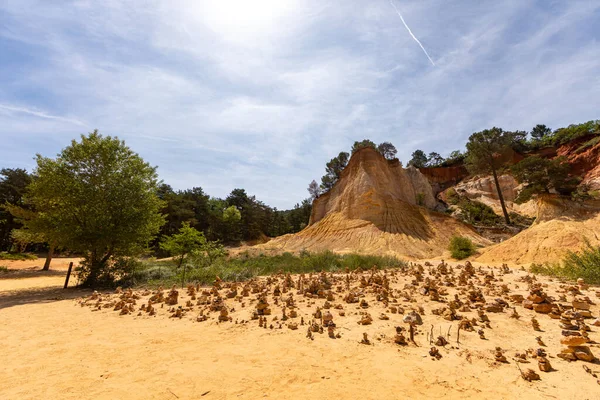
(441, 178)
(585, 163)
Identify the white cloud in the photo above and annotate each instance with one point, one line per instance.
(260, 94)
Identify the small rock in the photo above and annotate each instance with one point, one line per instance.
(413, 318)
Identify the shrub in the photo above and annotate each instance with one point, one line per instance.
(461, 247)
(452, 197)
(584, 264)
(420, 199)
(475, 212)
(119, 271)
(17, 256)
(3, 269)
(574, 131)
(155, 272)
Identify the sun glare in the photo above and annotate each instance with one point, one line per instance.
(245, 19)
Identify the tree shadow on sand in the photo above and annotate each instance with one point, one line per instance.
(39, 295)
(34, 272)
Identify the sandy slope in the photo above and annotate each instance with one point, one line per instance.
(54, 348)
(561, 226)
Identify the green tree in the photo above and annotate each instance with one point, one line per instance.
(487, 152)
(434, 159)
(299, 216)
(13, 183)
(97, 198)
(542, 175)
(454, 158)
(181, 244)
(540, 131)
(198, 201)
(362, 144)
(333, 170)
(231, 214)
(387, 150)
(191, 242)
(314, 189)
(177, 209)
(419, 159)
(36, 228)
(253, 213)
(575, 131)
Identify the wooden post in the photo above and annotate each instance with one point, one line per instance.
(68, 275)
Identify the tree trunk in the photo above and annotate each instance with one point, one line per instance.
(500, 196)
(95, 266)
(49, 258)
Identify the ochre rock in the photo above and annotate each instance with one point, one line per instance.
(377, 207)
(543, 308)
(573, 340)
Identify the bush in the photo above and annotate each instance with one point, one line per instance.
(3, 269)
(520, 220)
(119, 271)
(154, 272)
(475, 212)
(17, 256)
(584, 264)
(420, 199)
(461, 247)
(452, 197)
(574, 131)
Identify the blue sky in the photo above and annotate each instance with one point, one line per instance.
(261, 94)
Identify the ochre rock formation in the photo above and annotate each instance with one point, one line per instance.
(561, 225)
(367, 184)
(377, 207)
(483, 189)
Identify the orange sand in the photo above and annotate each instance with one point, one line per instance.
(56, 349)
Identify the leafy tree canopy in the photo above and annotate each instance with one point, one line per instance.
(434, 159)
(333, 170)
(387, 150)
(542, 175)
(540, 131)
(13, 183)
(419, 159)
(314, 190)
(489, 150)
(362, 144)
(181, 244)
(98, 198)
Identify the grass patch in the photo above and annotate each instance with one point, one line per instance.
(245, 267)
(17, 256)
(461, 247)
(3, 269)
(584, 264)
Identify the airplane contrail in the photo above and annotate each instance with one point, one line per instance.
(411, 34)
(40, 114)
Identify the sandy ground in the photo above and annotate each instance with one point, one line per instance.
(55, 348)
